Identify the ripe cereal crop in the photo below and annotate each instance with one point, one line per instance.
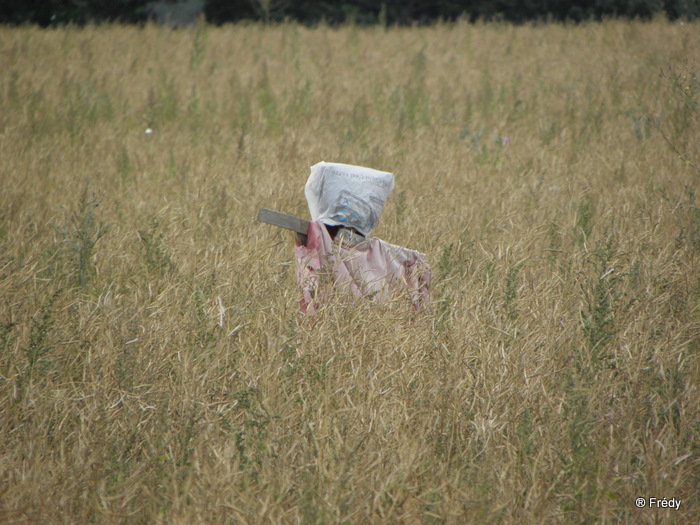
(154, 367)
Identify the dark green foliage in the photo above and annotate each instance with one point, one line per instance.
(394, 12)
(58, 12)
(363, 12)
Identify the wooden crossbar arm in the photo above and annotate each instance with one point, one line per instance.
(299, 226)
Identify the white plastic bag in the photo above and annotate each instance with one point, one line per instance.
(346, 195)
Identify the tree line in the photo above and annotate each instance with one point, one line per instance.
(363, 12)
(407, 12)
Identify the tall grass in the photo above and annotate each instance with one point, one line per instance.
(153, 364)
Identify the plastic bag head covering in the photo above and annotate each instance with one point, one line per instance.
(346, 195)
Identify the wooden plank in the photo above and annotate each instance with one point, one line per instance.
(282, 220)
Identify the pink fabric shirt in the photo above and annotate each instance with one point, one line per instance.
(371, 268)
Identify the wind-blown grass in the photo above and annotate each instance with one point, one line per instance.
(153, 363)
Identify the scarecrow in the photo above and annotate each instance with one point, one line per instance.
(335, 255)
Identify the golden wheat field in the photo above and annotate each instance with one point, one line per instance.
(155, 368)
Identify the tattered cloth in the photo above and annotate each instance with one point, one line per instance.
(370, 268)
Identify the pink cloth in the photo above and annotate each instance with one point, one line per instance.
(371, 268)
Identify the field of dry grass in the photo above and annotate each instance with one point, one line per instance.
(154, 367)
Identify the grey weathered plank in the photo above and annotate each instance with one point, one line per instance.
(283, 220)
(300, 227)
